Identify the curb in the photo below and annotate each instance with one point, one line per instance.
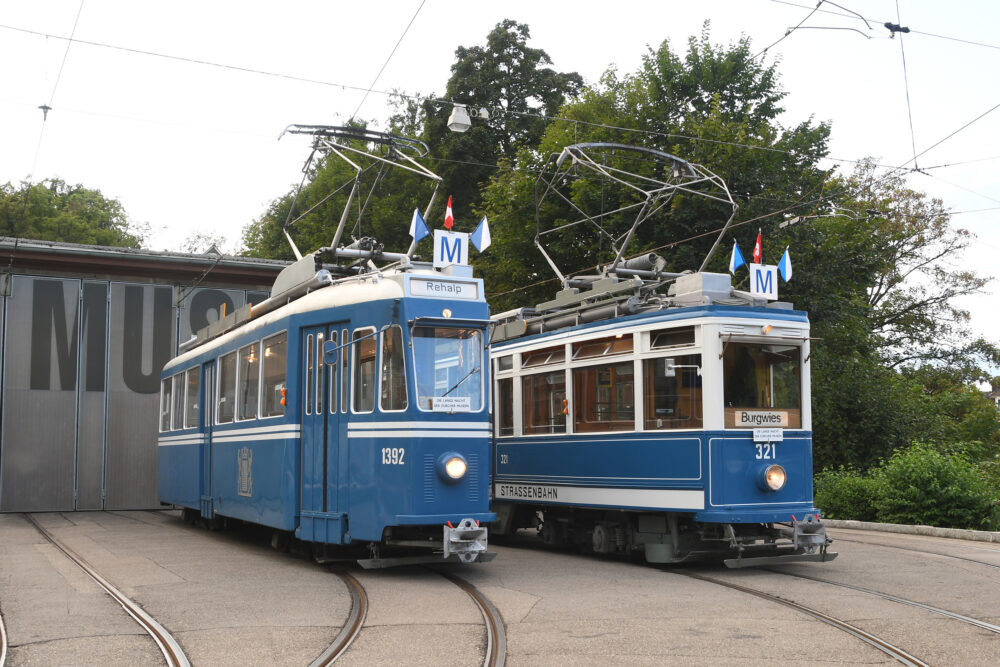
(933, 531)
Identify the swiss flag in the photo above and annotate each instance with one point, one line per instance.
(449, 219)
(756, 248)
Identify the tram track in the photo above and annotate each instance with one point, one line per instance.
(3, 642)
(919, 551)
(496, 636)
(355, 621)
(496, 633)
(168, 646)
(893, 598)
(873, 640)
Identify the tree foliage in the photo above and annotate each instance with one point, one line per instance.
(516, 86)
(715, 106)
(919, 484)
(505, 76)
(877, 264)
(53, 210)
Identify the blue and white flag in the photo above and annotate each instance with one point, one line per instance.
(736, 261)
(418, 228)
(785, 266)
(481, 237)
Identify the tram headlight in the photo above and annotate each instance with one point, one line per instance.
(772, 478)
(452, 466)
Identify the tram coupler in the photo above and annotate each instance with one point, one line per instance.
(808, 534)
(466, 542)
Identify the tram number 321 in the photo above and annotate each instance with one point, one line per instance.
(765, 450)
(394, 456)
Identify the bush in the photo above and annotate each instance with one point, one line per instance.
(922, 485)
(844, 493)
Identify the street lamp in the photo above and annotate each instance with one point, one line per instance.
(459, 120)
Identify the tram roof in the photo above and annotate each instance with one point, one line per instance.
(796, 318)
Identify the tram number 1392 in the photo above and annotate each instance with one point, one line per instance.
(766, 450)
(393, 456)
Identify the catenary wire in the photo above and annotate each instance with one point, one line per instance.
(420, 98)
(789, 31)
(906, 87)
(398, 42)
(48, 107)
(912, 31)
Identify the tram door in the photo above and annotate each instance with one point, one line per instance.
(320, 419)
(208, 419)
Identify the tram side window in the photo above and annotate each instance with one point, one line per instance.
(760, 377)
(505, 407)
(344, 375)
(177, 411)
(331, 372)
(672, 391)
(226, 409)
(192, 398)
(543, 397)
(393, 373)
(249, 381)
(166, 387)
(275, 355)
(364, 370)
(604, 398)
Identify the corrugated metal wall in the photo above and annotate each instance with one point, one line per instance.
(81, 366)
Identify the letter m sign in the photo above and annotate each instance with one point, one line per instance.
(764, 281)
(450, 248)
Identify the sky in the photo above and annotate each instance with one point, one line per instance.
(189, 143)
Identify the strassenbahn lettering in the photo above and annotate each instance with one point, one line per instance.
(528, 492)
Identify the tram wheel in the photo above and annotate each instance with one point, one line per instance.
(280, 541)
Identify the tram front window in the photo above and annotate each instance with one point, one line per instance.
(448, 363)
(762, 385)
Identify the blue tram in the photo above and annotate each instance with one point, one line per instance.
(671, 424)
(349, 410)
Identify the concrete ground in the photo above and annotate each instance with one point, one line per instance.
(229, 599)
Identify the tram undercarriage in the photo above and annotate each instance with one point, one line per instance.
(670, 537)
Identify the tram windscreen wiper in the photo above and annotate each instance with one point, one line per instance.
(467, 376)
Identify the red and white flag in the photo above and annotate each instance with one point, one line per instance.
(756, 249)
(449, 219)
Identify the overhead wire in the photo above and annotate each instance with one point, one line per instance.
(861, 17)
(893, 171)
(46, 107)
(371, 88)
(419, 98)
(789, 31)
(906, 86)
(398, 42)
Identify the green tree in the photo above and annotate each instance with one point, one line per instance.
(53, 210)
(513, 82)
(716, 106)
(505, 76)
(875, 270)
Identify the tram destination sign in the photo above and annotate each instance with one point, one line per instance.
(761, 419)
(449, 289)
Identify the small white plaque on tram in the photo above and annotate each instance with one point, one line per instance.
(444, 288)
(451, 404)
(768, 435)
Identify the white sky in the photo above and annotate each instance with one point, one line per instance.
(189, 147)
